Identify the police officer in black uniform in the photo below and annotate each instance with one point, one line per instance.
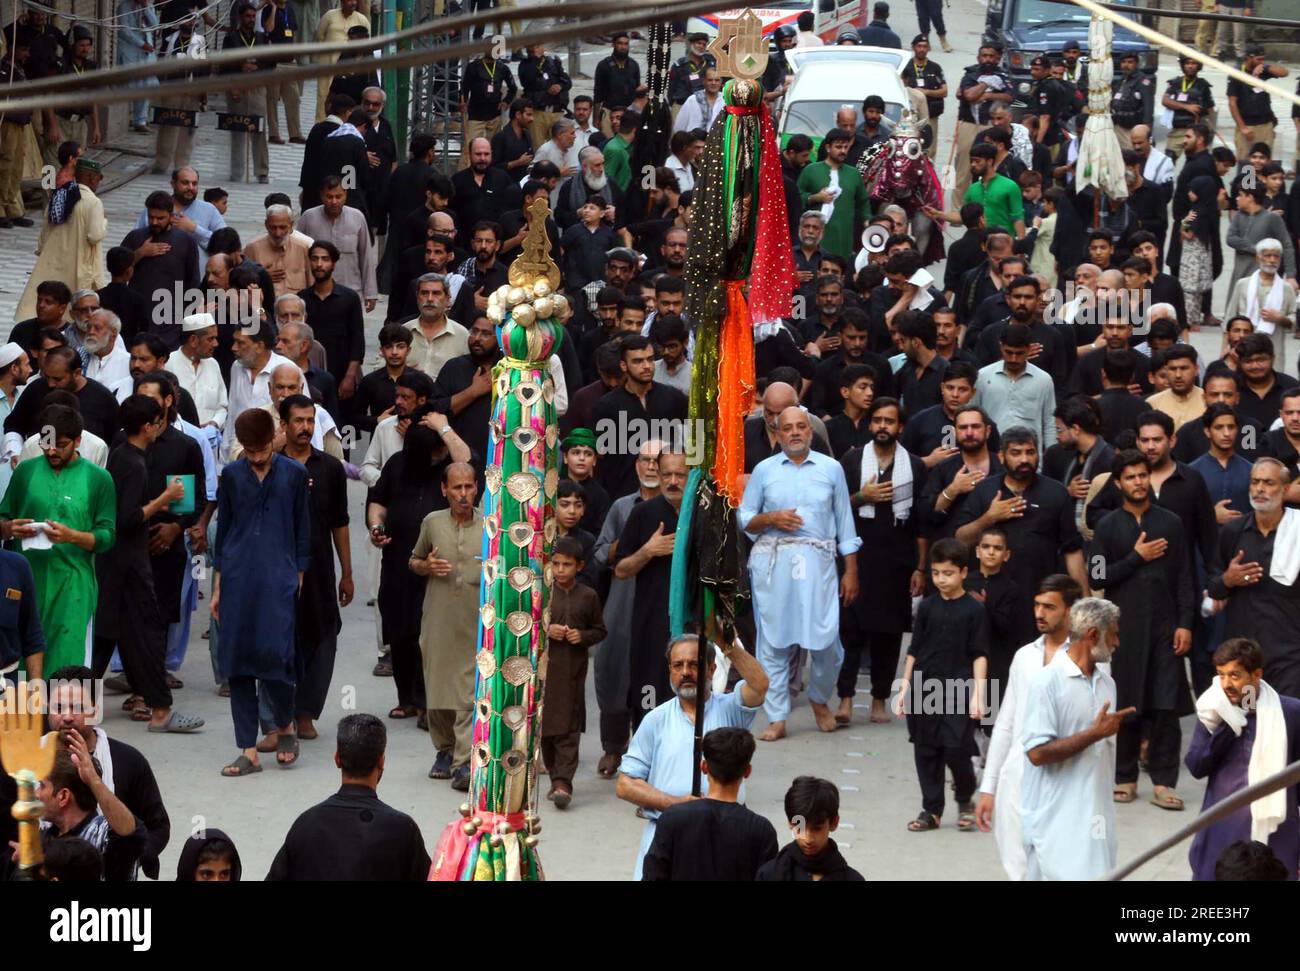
(778, 68)
(1076, 75)
(1191, 100)
(921, 72)
(686, 76)
(1048, 101)
(1130, 105)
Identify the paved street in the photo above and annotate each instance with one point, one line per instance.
(596, 838)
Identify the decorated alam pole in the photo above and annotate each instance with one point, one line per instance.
(496, 838)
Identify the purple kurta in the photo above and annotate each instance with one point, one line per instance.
(1225, 759)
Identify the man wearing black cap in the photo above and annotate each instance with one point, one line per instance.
(686, 76)
(922, 73)
(1049, 100)
(1251, 108)
(616, 80)
(1190, 99)
(877, 33)
(981, 86)
(1131, 101)
(80, 124)
(1076, 74)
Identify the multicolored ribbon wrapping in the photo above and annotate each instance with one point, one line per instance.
(739, 275)
(497, 838)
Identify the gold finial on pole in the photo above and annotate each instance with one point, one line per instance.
(28, 757)
(739, 46)
(534, 262)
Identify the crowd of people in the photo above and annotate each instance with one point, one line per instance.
(1020, 465)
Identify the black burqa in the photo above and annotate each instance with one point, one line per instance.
(194, 847)
(1205, 189)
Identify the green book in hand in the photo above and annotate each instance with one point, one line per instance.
(185, 504)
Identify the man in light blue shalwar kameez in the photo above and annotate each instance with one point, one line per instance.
(136, 22)
(657, 770)
(796, 508)
(1067, 809)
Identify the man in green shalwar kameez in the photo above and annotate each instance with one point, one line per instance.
(77, 502)
(844, 212)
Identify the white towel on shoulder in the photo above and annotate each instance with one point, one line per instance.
(1267, 754)
(1286, 549)
(901, 479)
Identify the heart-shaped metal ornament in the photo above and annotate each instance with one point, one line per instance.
(493, 478)
(490, 570)
(514, 717)
(488, 614)
(491, 526)
(487, 663)
(517, 670)
(523, 486)
(548, 391)
(484, 708)
(548, 531)
(482, 755)
(552, 483)
(546, 617)
(521, 578)
(503, 384)
(514, 761)
(519, 623)
(521, 534)
(548, 575)
(525, 439)
(528, 392)
(552, 435)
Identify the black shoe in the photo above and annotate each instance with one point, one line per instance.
(383, 668)
(22, 221)
(6, 223)
(460, 779)
(441, 766)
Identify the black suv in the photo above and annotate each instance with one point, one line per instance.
(1026, 28)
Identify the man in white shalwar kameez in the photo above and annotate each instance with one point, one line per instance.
(1067, 811)
(1004, 764)
(796, 508)
(70, 250)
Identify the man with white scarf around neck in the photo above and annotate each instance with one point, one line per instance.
(1266, 299)
(1246, 732)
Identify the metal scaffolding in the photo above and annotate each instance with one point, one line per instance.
(435, 88)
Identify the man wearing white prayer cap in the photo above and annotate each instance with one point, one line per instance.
(15, 369)
(199, 373)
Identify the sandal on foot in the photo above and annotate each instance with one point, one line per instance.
(1125, 792)
(923, 823)
(966, 822)
(140, 712)
(287, 745)
(403, 711)
(308, 734)
(1167, 799)
(269, 743)
(179, 724)
(241, 766)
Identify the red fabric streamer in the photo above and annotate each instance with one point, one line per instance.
(736, 384)
(742, 109)
(771, 274)
(454, 844)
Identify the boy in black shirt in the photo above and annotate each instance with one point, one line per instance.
(1004, 606)
(850, 428)
(714, 838)
(812, 806)
(949, 656)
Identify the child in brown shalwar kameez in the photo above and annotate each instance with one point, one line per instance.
(576, 624)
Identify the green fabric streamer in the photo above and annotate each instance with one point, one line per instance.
(679, 583)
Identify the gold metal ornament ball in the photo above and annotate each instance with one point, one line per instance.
(525, 315)
(559, 305)
(501, 293)
(516, 296)
(531, 841)
(542, 288)
(465, 809)
(477, 821)
(495, 314)
(545, 307)
(469, 828)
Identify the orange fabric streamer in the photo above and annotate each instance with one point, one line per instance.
(736, 384)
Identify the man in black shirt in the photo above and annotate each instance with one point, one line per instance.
(714, 838)
(61, 370)
(311, 173)
(973, 459)
(922, 374)
(616, 80)
(131, 308)
(546, 85)
(1261, 385)
(165, 260)
(52, 299)
(625, 417)
(486, 89)
(337, 321)
(377, 391)
(1253, 438)
(981, 86)
(353, 835)
(1120, 406)
(512, 146)
(1189, 97)
(1131, 103)
(1049, 102)
(824, 396)
(1283, 443)
(77, 803)
(463, 390)
(1252, 111)
(483, 191)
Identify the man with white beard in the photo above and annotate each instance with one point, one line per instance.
(1004, 765)
(1265, 298)
(110, 361)
(1066, 808)
(591, 184)
(1255, 583)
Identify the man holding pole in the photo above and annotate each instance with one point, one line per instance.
(656, 771)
